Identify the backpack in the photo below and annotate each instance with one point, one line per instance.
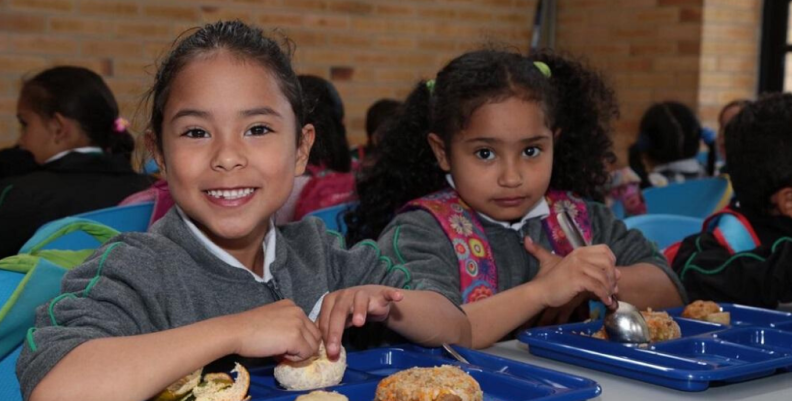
(326, 188)
(477, 271)
(731, 229)
(30, 279)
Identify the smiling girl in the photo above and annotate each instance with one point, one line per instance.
(214, 277)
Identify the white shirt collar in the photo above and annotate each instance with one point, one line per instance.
(86, 149)
(268, 246)
(690, 166)
(540, 210)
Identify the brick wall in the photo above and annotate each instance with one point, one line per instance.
(703, 53)
(729, 55)
(373, 49)
(700, 52)
(649, 48)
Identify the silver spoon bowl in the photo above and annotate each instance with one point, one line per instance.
(626, 325)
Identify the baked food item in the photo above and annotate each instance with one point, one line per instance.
(706, 310)
(443, 383)
(180, 388)
(221, 387)
(315, 372)
(322, 396)
(661, 326)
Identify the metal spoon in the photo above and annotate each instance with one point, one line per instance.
(455, 354)
(625, 324)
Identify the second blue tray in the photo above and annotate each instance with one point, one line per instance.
(706, 353)
(500, 379)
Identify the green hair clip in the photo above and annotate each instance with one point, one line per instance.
(543, 68)
(430, 85)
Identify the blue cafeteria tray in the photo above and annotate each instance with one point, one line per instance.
(758, 344)
(742, 315)
(500, 379)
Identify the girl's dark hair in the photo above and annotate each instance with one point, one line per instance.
(758, 145)
(587, 108)
(669, 131)
(79, 94)
(325, 111)
(406, 168)
(242, 41)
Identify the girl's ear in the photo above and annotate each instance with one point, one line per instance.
(60, 128)
(154, 151)
(304, 149)
(438, 147)
(782, 199)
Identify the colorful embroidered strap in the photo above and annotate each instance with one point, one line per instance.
(558, 201)
(477, 270)
(477, 273)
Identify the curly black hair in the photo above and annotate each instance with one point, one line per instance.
(758, 145)
(587, 108)
(407, 168)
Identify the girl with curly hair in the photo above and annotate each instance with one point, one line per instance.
(474, 174)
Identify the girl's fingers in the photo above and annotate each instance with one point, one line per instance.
(324, 315)
(360, 308)
(392, 295)
(336, 325)
(597, 286)
(313, 330)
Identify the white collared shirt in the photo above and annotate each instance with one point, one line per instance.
(268, 246)
(85, 149)
(540, 210)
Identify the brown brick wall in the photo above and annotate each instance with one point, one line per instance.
(729, 54)
(649, 49)
(700, 52)
(387, 44)
(703, 53)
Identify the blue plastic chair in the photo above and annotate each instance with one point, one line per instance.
(665, 229)
(617, 208)
(333, 216)
(122, 218)
(694, 198)
(9, 385)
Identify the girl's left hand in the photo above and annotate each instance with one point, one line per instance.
(353, 307)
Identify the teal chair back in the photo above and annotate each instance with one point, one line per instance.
(123, 218)
(665, 229)
(694, 198)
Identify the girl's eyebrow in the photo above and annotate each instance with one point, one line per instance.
(533, 139)
(191, 112)
(267, 111)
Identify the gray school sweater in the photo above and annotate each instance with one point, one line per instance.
(416, 241)
(147, 282)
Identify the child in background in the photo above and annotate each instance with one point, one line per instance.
(478, 157)
(667, 144)
(214, 277)
(329, 180)
(745, 254)
(727, 113)
(70, 125)
(377, 115)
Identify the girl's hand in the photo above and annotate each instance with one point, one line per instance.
(548, 261)
(353, 307)
(280, 328)
(588, 269)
